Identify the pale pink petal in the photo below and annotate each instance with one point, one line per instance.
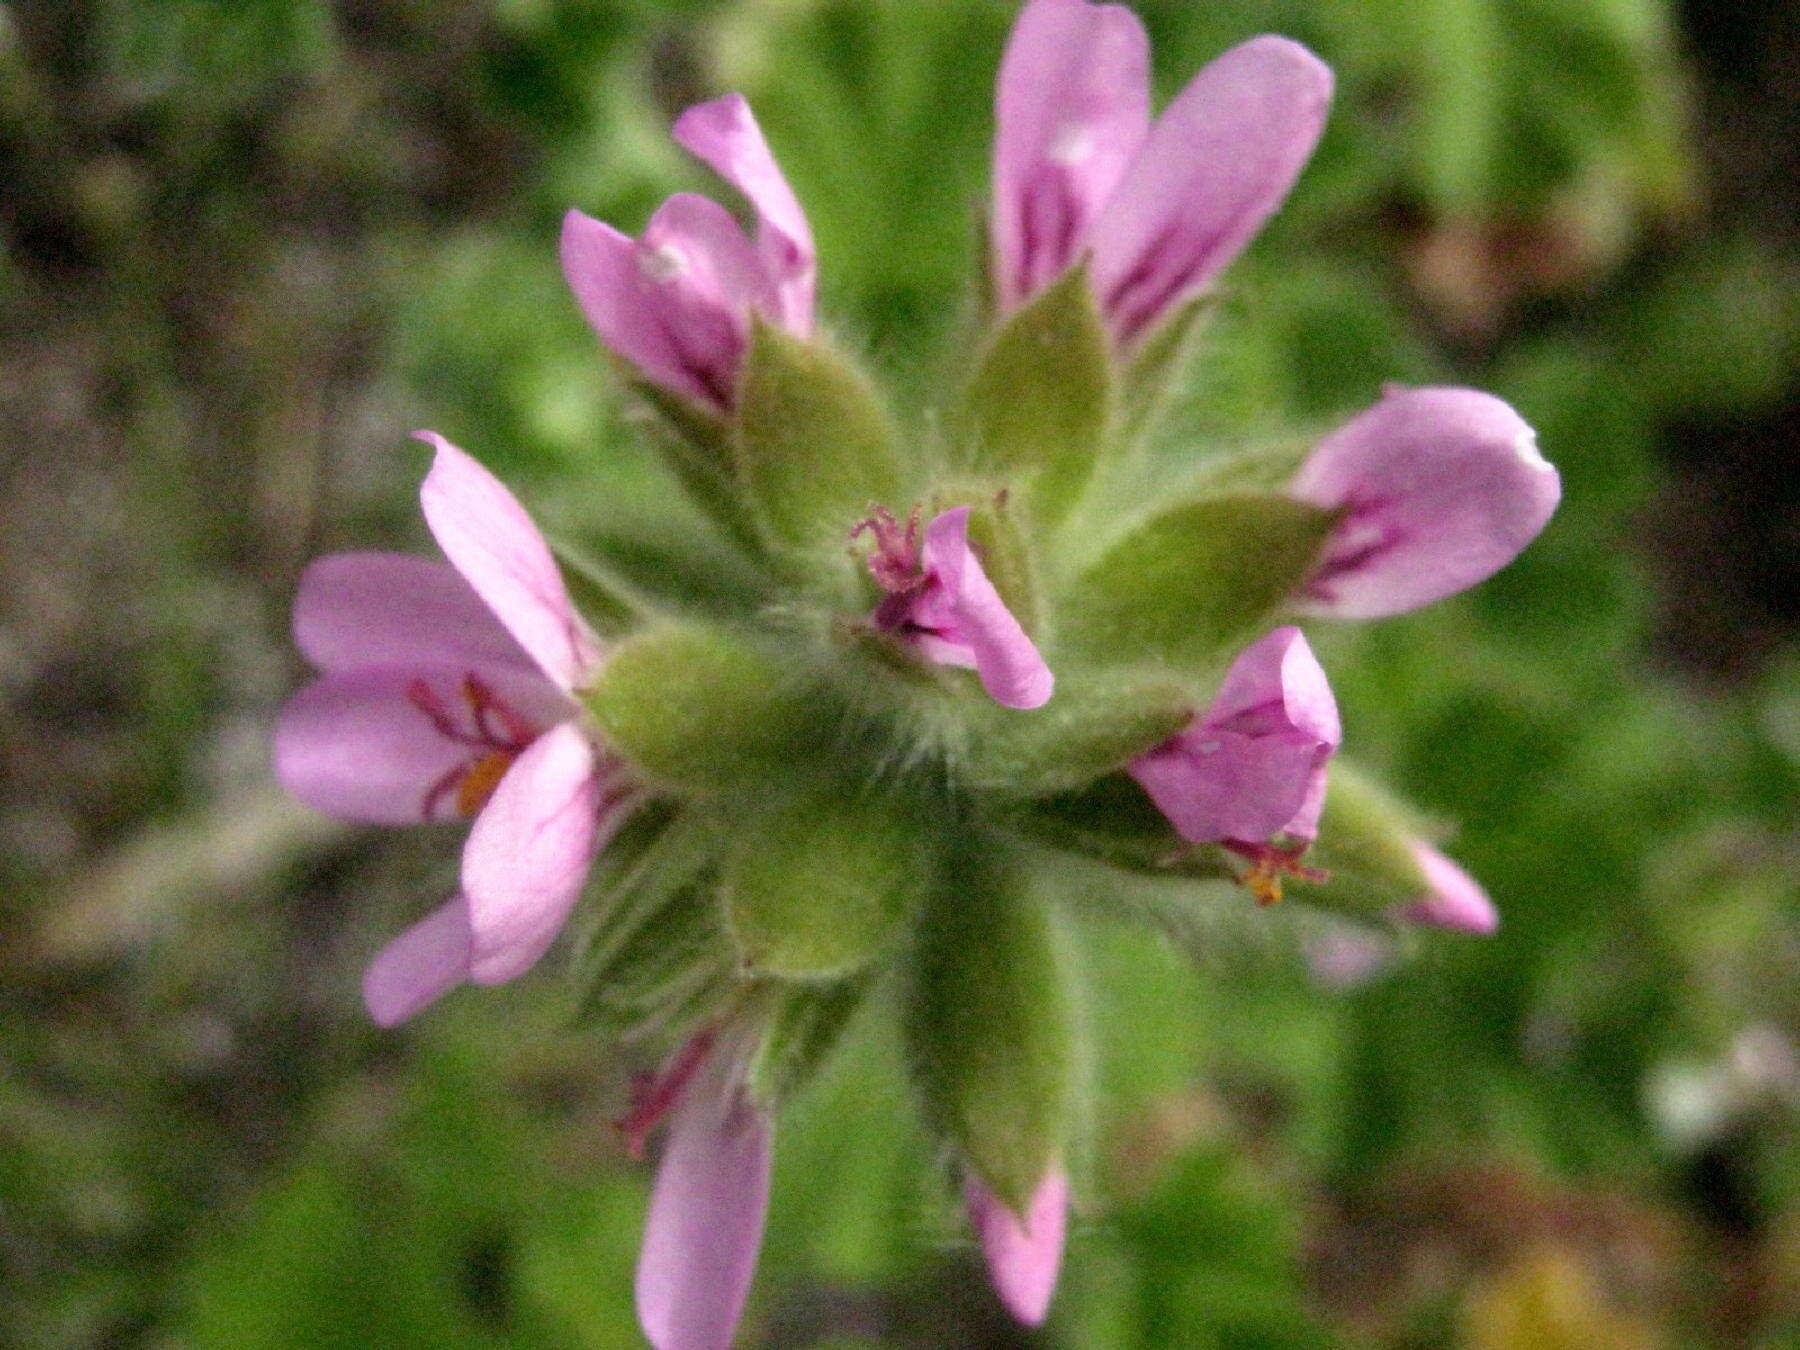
(962, 608)
(1217, 164)
(1217, 785)
(527, 857)
(1022, 1258)
(361, 746)
(417, 968)
(1072, 109)
(1455, 899)
(1253, 764)
(1346, 956)
(358, 610)
(630, 309)
(706, 1218)
(724, 135)
(1439, 488)
(490, 539)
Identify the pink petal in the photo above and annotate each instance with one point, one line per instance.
(1073, 108)
(1253, 765)
(527, 857)
(358, 746)
(1277, 684)
(631, 311)
(490, 539)
(358, 610)
(1440, 488)
(1217, 164)
(724, 135)
(706, 1219)
(962, 608)
(1022, 1258)
(417, 968)
(1345, 956)
(1455, 900)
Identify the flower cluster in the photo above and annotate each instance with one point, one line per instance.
(792, 798)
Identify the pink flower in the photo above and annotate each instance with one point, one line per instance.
(1454, 899)
(445, 693)
(1080, 170)
(1438, 489)
(676, 303)
(710, 1201)
(941, 601)
(1252, 766)
(1023, 1257)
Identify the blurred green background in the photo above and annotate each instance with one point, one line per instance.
(246, 245)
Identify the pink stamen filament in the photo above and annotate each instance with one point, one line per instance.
(653, 1096)
(495, 731)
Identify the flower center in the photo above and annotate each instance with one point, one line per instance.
(1268, 865)
(494, 732)
(894, 559)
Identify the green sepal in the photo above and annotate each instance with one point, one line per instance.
(818, 886)
(1195, 576)
(804, 1027)
(1112, 820)
(696, 446)
(992, 1023)
(1366, 843)
(657, 944)
(1159, 365)
(814, 445)
(703, 708)
(605, 600)
(1038, 412)
(1000, 543)
(639, 568)
(1097, 722)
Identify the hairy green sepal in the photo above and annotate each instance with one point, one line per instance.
(1194, 577)
(1039, 409)
(1096, 723)
(814, 444)
(819, 886)
(805, 1026)
(702, 708)
(1366, 843)
(992, 1024)
(1113, 821)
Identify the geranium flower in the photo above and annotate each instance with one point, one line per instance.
(941, 601)
(1436, 489)
(1250, 770)
(447, 692)
(1080, 171)
(676, 303)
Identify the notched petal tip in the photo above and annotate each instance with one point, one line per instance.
(1024, 1256)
